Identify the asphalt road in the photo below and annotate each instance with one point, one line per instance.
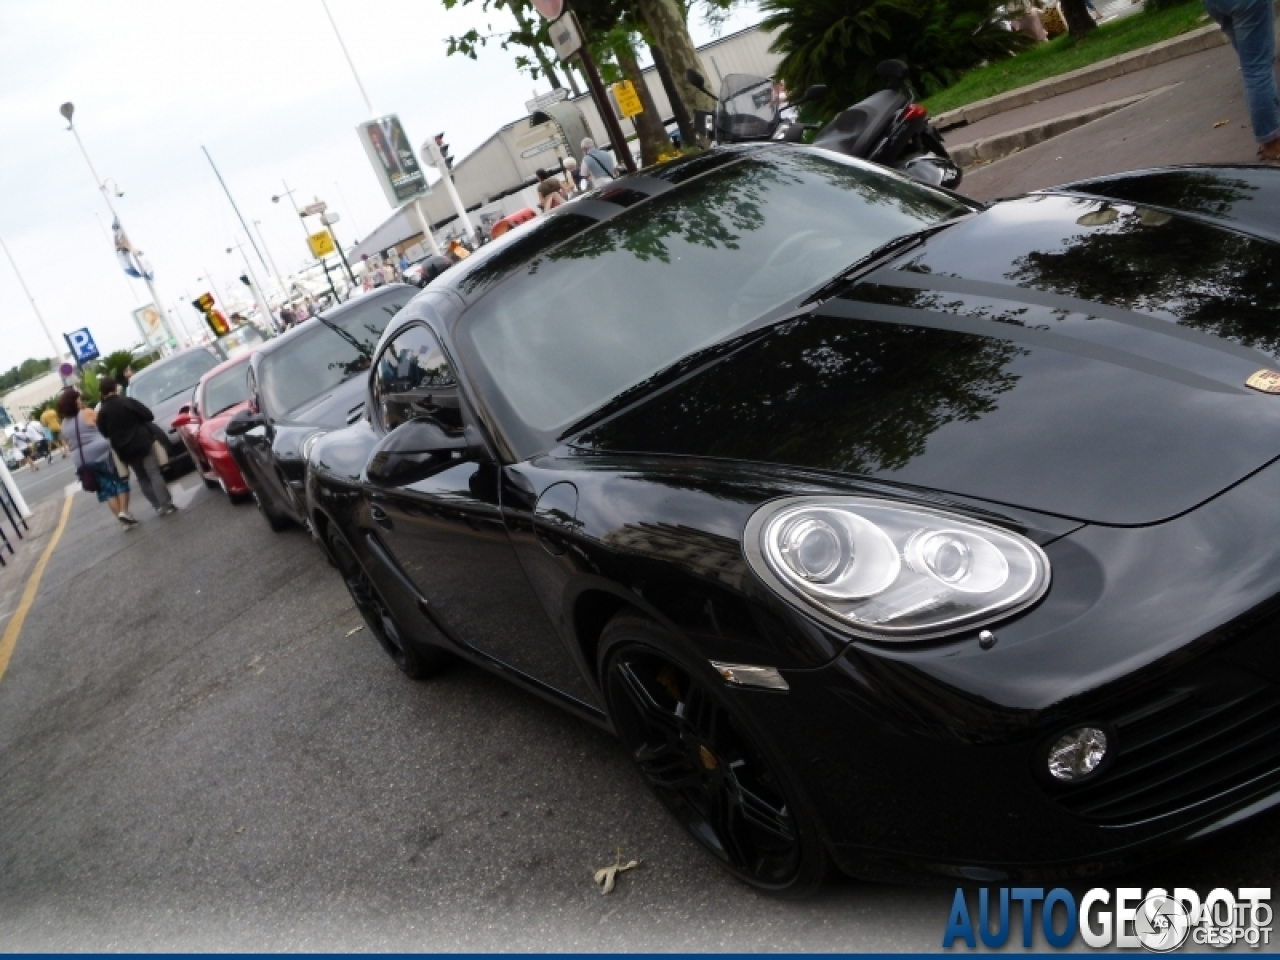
(1199, 116)
(196, 752)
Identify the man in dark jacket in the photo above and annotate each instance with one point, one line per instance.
(126, 423)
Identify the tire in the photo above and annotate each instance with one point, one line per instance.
(276, 521)
(413, 661)
(706, 762)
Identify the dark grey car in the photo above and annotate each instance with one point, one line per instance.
(168, 384)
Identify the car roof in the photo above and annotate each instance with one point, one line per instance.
(170, 359)
(228, 364)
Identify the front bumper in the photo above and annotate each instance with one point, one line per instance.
(226, 471)
(934, 759)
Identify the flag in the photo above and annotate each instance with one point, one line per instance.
(131, 260)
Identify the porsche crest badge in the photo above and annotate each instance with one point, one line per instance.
(1268, 381)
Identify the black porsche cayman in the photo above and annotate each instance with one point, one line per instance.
(888, 531)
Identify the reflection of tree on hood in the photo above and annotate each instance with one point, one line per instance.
(1214, 280)
(855, 396)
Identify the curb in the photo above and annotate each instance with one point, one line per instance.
(1195, 41)
(1000, 145)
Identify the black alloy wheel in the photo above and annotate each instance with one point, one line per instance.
(414, 663)
(706, 765)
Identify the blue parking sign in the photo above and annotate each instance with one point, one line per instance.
(82, 345)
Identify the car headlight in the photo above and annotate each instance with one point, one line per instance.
(310, 442)
(220, 435)
(892, 571)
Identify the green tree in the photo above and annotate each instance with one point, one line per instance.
(29, 369)
(839, 42)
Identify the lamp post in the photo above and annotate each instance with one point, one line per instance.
(67, 110)
(270, 259)
(58, 350)
(258, 297)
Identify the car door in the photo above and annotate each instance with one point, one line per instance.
(445, 531)
(254, 447)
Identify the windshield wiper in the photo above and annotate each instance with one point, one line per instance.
(347, 337)
(895, 246)
(665, 377)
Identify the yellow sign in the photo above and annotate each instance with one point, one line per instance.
(321, 244)
(628, 100)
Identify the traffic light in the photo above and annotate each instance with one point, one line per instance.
(444, 150)
(212, 315)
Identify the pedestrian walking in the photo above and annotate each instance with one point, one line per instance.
(53, 427)
(550, 194)
(598, 166)
(126, 423)
(22, 447)
(38, 443)
(90, 450)
(1250, 25)
(572, 176)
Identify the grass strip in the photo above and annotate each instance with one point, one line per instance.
(1064, 54)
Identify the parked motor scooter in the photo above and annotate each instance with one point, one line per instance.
(888, 127)
(750, 108)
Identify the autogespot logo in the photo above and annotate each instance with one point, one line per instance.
(1126, 918)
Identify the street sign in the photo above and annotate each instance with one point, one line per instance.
(566, 36)
(628, 100)
(66, 370)
(311, 209)
(546, 99)
(328, 218)
(82, 345)
(321, 244)
(549, 8)
(151, 325)
(393, 160)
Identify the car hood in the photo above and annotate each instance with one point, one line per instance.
(1069, 355)
(168, 408)
(334, 408)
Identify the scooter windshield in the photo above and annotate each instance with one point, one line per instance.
(748, 108)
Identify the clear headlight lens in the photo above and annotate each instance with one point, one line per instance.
(220, 435)
(892, 571)
(310, 442)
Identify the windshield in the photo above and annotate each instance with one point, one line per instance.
(633, 295)
(748, 107)
(168, 378)
(327, 351)
(226, 390)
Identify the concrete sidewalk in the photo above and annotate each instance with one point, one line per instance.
(1199, 117)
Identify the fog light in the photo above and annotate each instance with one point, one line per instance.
(1077, 754)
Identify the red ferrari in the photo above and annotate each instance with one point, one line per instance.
(220, 394)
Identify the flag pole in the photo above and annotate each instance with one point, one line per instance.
(116, 222)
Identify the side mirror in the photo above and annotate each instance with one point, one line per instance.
(414, 451)
(184, 417)
(243, 422)
(698, 82)
(815, 93)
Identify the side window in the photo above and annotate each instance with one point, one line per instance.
(414, 379)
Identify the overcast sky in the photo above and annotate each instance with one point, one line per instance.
(263, 85)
